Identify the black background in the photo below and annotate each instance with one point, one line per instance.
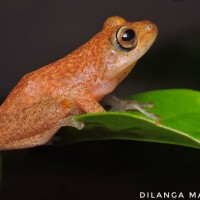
(34, 33)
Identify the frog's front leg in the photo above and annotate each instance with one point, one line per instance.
(84, 102)
(84, 99)
(118, 104)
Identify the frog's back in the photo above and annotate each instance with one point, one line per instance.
(53, 80)
(33, 86)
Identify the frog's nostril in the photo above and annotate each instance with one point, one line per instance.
(149, 27)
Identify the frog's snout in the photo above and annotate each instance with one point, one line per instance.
(150, 26)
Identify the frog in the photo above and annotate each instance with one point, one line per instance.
(48, 98)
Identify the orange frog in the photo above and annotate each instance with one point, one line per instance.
(48, 98)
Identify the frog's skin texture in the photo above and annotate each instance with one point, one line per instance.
(46, 99)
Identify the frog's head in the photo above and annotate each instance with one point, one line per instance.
(128, 41)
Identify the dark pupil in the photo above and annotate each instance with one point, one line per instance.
(128, 35)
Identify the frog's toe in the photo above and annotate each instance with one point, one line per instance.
(147, 105)
(70, 121)
(134, 105)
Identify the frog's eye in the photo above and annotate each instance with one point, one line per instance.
(126, 38)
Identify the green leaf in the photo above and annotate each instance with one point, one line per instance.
(178, 108)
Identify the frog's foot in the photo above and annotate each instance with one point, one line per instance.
(55, 138)
(122, 105)
(69, 121)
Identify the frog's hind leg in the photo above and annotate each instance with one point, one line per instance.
(36, 124)
(32, 141)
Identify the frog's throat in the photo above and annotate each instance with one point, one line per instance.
(124, 72)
